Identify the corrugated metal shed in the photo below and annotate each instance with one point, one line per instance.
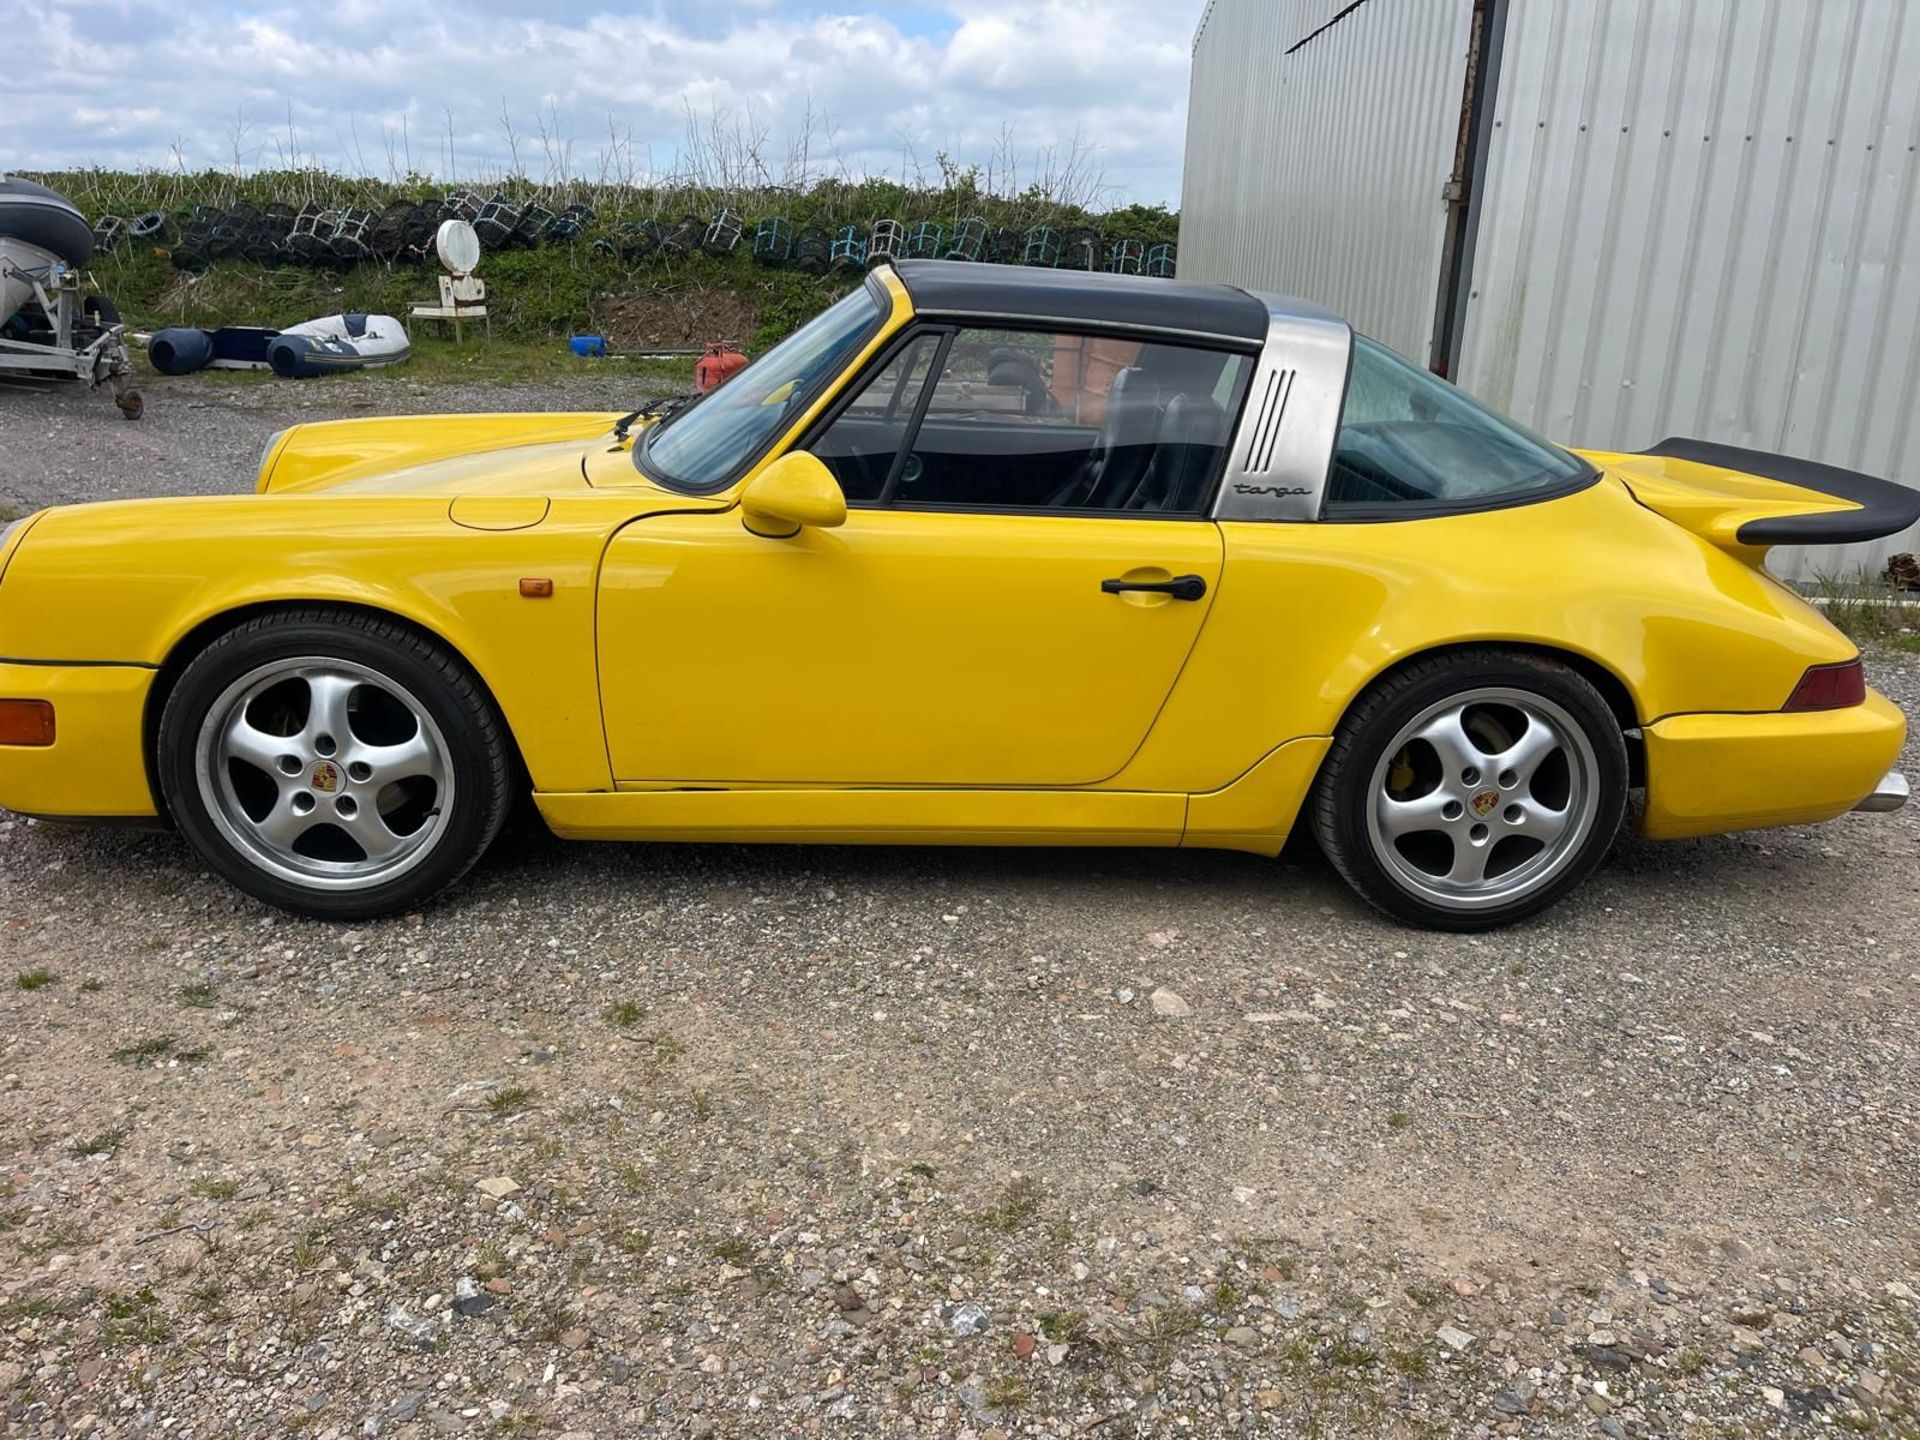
(1316, 168)
(1699, 219)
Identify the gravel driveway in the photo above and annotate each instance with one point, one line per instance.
(683, 1141)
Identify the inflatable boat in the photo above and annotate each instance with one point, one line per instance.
(319, 347)
(338, 342)
(50, 327)
(38, 227)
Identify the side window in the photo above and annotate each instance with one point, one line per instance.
(860, 445)
(1407, 436)
(1039, 420)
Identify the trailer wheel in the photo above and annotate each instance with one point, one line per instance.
(131, 404)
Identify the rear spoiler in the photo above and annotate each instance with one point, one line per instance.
(1834, 506)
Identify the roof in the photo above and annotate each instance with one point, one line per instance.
(964, 290)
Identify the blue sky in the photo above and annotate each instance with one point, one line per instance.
(1091, 92)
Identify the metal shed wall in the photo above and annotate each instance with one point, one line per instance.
(1699, 218)
(1319, 172)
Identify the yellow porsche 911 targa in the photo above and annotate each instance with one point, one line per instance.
(979, 555)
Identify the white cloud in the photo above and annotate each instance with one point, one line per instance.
(125, 82)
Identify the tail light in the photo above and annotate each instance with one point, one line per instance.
(1829, 687)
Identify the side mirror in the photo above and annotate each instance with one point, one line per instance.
(793, 491)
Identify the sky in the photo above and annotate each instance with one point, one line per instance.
(1092, 92)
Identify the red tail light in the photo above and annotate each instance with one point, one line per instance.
(1829, 687)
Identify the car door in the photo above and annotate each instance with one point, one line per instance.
(993, 637)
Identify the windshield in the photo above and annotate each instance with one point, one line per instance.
(709, 444)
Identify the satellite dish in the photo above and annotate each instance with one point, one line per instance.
(457, 246)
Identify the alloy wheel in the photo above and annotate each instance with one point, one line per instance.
(1483, 798)
(325, 773)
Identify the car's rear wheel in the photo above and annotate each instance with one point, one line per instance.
(1472, 790)
(333, 763)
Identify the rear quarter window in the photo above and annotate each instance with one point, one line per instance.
(1410, 443)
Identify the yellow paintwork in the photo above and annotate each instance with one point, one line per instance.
(1697, 767)
(96, 764)
(795, 490)
(911, 675)
(1711, 501)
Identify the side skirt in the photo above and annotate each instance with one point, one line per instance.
(875, 817)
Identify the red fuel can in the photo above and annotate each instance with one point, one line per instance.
(717, 366)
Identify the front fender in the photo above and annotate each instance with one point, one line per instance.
(128, 583)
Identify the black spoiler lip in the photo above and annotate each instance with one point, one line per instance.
(1885, 508)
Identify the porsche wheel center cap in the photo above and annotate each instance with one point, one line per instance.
(326, 777)
(1481, 804)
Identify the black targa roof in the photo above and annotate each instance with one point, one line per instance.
(961, 289)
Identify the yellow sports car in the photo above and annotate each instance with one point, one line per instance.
(981, 554)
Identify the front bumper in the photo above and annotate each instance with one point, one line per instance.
(96, 765)
(1707, 774)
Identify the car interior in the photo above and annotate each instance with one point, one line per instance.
(1030, 421)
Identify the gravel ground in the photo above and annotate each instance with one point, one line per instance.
(683, 1141)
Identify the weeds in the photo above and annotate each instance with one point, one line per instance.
(1869, 610)
(92, 984)
(509, 1100)
(1018, 1203)
(625, 1012)
(107, 1142)
(134, 1318)
(200, 995)
(34, 979)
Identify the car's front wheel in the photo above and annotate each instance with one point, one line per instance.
(1471, 790)
(333, 763)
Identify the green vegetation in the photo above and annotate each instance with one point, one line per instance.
(509, 1100)
(200, 995)
(1017, 1203)
(134, 1318)
(105, 1143)
(538, 297)
(625, 1012)
(34, 979)
(1870, 611)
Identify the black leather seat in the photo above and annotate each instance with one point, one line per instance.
(1122, 454)
(1192, 431)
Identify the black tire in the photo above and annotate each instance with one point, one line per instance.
(1345, 794)
(478, 753)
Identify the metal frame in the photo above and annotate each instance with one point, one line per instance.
(102, 360)
(1283, 446)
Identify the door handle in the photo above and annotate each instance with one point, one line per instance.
(1181, 587)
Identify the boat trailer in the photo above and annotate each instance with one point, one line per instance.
(70, 338)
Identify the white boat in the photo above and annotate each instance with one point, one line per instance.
(338, 342)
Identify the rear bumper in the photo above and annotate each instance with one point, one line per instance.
(1707, 774)
(96, 765)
